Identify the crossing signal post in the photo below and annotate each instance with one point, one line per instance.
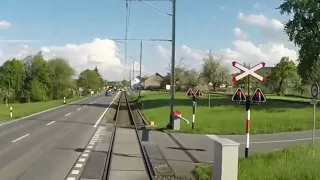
(247, 72)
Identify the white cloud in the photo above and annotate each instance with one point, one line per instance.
(261, 20)
(246, 51)
(102, 53)
(272, 29)
(164, 52)
(223, 8)
(195, 54)
(242, 51)
(239, 34)
(4, 24)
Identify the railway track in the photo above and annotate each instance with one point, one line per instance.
(126, 158)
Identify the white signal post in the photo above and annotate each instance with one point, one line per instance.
(247, 72)
(314, 100)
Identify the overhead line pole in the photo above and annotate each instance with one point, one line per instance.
(140, 70)
(173, 60)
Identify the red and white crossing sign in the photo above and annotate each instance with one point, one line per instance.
(247, 71)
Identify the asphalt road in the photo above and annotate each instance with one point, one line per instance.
(263, 143)
(46, 146)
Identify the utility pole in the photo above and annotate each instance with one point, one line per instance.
(140, 70)
(133, 73)
(130, 79)
(173, 59)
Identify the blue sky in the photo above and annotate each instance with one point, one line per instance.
(207, 24)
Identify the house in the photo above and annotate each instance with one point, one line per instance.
(137, 82)
(153, 82)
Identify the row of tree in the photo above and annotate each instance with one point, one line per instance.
(283, 77)
(33, 79)
(212, 71)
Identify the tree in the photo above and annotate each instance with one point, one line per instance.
(125, 83)
(12, 74)
(191, 78)
(314, 74)
(98, 73)
(304, 30)
(283, 72)
(61, 76)
(89, 80)
(179, 74)
(213, 71)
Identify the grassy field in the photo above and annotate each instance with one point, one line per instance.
(295, 163)
(25, 109)
(278, 114)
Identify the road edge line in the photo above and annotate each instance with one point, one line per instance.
(105, 111)
(57, 107)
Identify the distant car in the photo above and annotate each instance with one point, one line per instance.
(109, 92)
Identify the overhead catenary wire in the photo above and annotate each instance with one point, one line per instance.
(153, 7)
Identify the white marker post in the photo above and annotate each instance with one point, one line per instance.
(314, 94)
(210, 85)
(194, 103)
(10, 112)
(64, 100)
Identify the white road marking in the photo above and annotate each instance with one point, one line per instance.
(68, 114)
(85, 155)
(214, 137)
(87, 151)
(79, 165)
(101, 117)
(89, 147)
(51, 123)
(91, 143)
(16, 120)
(280, 141)
(82, 159)
(78, 109)
(71, 178)
(20, 138)
(84, 105)
(75, 172)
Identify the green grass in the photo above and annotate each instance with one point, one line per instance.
(295, 163)
(25, 109)
(278, 114)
